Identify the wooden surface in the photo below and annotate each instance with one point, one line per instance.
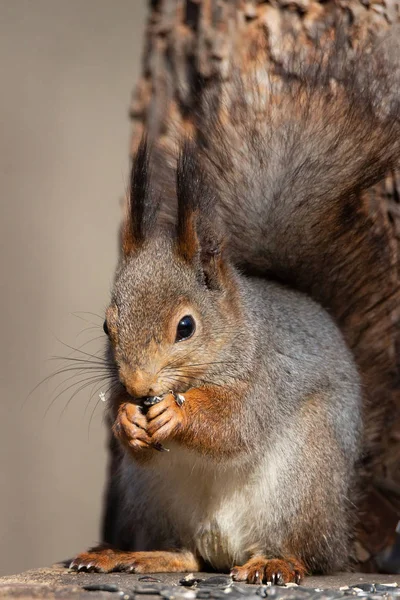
(58, 582)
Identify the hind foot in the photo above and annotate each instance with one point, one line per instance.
(266, 570)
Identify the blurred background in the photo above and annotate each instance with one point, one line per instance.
(67, 70)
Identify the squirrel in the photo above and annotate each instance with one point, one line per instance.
(220, 336)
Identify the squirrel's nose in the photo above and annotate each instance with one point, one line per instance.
(138, 383)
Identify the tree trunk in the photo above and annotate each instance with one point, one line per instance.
(189, 45)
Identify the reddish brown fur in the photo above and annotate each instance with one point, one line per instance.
(187, 242)
(193, 424)
(261, 569)
(211, 413)
(105, 559)
(128, 242)
(199, 423)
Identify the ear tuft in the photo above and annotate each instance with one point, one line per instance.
(198, 240)
(142, 205)
(189, 188)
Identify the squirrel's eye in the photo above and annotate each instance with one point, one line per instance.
(186, 328)
(105, 328)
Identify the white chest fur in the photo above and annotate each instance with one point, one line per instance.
(222, 511)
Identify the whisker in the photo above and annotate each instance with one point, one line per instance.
(94, 339)
(59, 394)
(179, 359)
(91, 416)
(77, 350)
(86, 312)
(113, 383)
(95, 390)
(97, 353)
(88, 381)
(194, 379)
(111, 387)
(100, 361)
(184, 357)
(92, 391)
(81, 388)
(97, 327)
(100, 368)
(69, 378)
(221, 362)
(184, 371)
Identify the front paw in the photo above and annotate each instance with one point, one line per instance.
(130, 427)
(166, 419)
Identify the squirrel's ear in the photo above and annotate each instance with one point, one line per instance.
(198, 240)
(142, 207)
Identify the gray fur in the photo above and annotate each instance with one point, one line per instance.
(291, 351)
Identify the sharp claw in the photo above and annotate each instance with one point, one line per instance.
(160, 447)
(297, 577)
(179, 399)
(279, 579)
(81, 567)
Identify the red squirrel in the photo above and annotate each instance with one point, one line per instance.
(251, 390)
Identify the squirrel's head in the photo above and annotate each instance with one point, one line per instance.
(175, 300)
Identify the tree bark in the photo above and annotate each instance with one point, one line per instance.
(188, 47)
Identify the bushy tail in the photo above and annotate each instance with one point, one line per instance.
(292, 157)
